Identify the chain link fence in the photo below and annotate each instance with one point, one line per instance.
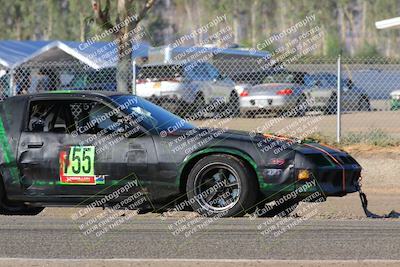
(299, 99)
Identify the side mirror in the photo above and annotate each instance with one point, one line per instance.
(38, 126)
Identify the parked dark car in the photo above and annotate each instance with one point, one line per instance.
(321, 91)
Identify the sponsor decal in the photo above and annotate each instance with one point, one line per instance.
(277, 161)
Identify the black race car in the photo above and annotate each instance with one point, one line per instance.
(102, 148)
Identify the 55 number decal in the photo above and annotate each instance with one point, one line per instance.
(77, 165)
(81, 159)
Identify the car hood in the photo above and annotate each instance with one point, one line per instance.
(303, 146)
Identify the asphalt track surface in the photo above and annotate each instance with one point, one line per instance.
(144, 237)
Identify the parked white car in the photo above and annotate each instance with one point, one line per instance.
(187, 88)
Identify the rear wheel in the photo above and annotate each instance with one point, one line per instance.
(199, 105)
(301, 106)
(234, 104)
(7, 208)
(331, 106)
(21, 210)
(364, 105)
(221, 185)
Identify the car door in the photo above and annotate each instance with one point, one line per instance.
(222, 86)
(37, 149)
(78, 151)
(55, 157)
(119, 152)
(198, 81)
(320, 89)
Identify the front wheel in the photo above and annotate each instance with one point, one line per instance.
(221, 185)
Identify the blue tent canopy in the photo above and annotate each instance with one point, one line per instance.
(96, 54)
(12, 52)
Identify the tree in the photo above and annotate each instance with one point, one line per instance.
(126, 22)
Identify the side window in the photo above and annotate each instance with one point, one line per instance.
(90, 117)
(46, 116)
(329, 81)
(197, 72)
(214, 73)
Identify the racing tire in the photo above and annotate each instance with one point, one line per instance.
(17, 208)
(234, 105)
(301, 106)
(364, 104)
(20, 210)
(199, 104)
(221, 185)
(331, 107)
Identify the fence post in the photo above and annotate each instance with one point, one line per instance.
(12, 89)
(339, 97)
(134, 77)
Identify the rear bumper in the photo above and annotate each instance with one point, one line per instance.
(258, 103)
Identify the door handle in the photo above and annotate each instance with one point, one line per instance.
(35, 144)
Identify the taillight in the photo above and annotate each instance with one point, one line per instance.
(286, 91)
(140, 81)
(176, 80)
(244, 93)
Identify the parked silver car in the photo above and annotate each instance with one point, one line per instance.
(320, 90)
(280, 93)
(185, 88)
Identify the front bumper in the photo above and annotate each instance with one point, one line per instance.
(336, 174)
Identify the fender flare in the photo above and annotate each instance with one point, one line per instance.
(191, 159)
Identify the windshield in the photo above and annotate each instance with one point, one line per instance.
(282, 77)
(152, 117)
(321, 79)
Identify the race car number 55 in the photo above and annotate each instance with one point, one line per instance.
(77, 165)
